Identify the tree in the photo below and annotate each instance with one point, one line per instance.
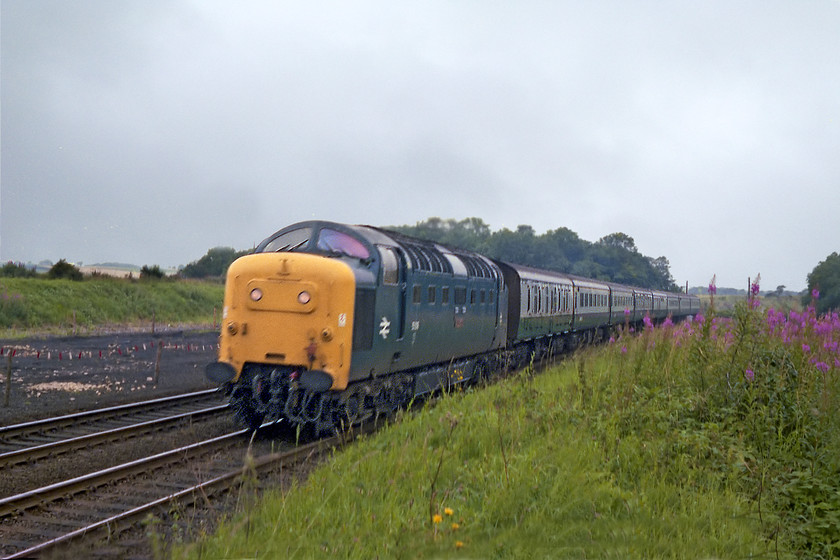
(151, 273)
(824, 282)
(214, 263)
(621, 240)
(63, 269)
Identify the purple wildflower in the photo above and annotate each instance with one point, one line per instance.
(750, 375)
(815, 293)
(806, 348)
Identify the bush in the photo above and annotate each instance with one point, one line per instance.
(16, 270)
(63, 269)
(151, 273)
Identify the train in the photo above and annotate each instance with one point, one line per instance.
(326, 324)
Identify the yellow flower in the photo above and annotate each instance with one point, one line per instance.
(455, 526)
(458, 544)
(437, 518)
(448, 511)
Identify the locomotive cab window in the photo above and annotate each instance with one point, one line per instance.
(432, 294)
(295, 240)
(340, 243)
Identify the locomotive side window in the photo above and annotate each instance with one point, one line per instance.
(432, 294)
(390, 266)
(460, 295)
(415, 295)
(444, 295)
(294, 240)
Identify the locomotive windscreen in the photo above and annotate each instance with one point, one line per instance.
(294, 240)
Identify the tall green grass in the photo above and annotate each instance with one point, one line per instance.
(37, 303)
(715, 438)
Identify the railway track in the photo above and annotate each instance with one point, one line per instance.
(30, 441)
(107, 502)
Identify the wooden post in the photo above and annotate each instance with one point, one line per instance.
(154, 318)
(8, 379)
(157, 361)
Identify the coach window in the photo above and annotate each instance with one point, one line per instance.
(432, 294)
(472, 297)
(483, 296)
(444, 295)
(415, 296)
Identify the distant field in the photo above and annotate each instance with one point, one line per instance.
(107, 271)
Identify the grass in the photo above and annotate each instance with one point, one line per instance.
(39, 304)
(659, 445)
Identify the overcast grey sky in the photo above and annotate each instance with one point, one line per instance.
(148, 132)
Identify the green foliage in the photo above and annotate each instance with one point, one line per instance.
(751, 399)
(825, 279)
(214, 264)
(613, 258)
(63, 269)
(151, 273)
(38, 303)
(16, 270)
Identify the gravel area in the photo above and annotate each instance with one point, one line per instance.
(60, 375)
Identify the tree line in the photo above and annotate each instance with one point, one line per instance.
(613, 258)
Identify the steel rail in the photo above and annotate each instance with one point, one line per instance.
(118, 522)
(16, 430)
(39, 496)
(97, 438)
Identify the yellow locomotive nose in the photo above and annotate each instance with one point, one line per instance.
(290, 309)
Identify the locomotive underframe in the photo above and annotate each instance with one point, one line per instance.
(268, 393)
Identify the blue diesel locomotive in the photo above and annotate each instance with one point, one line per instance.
(326, 324)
